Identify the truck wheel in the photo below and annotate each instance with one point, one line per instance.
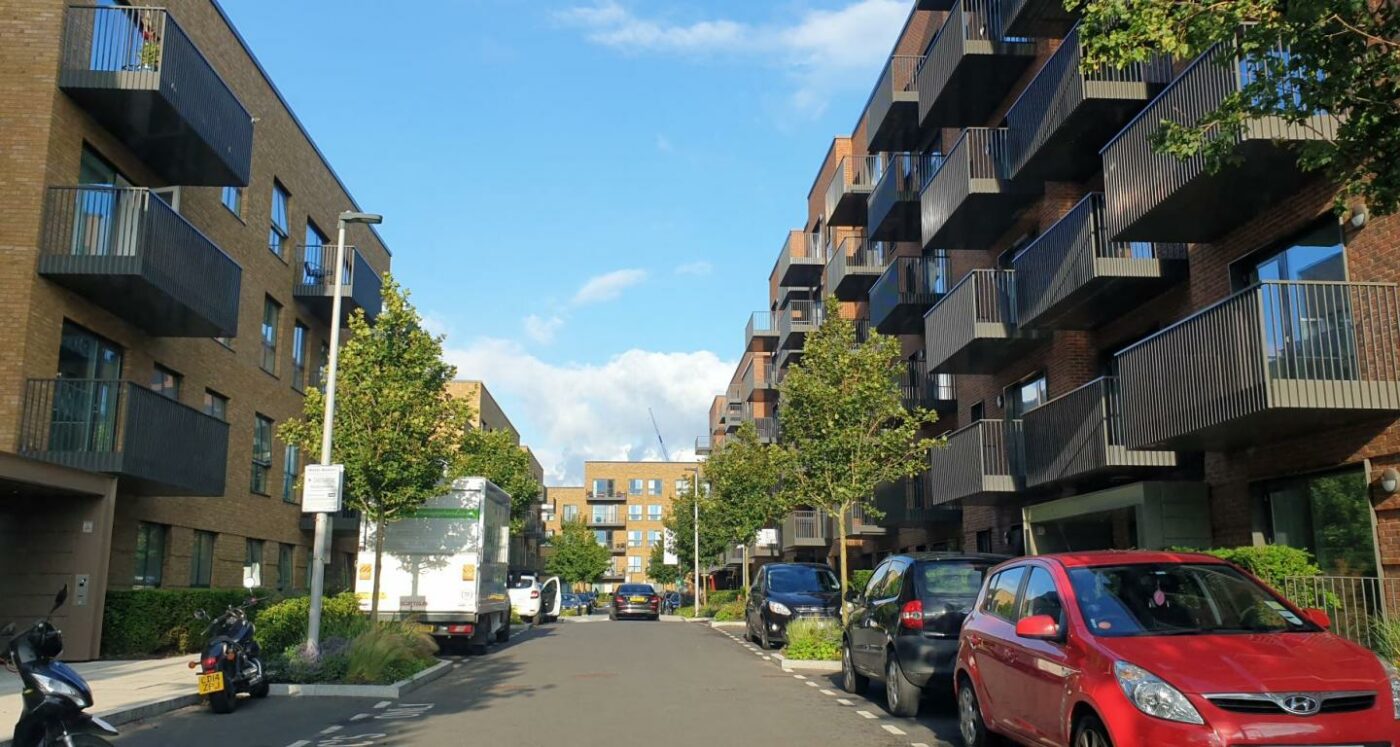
(503, 633)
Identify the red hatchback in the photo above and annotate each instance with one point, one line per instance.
(1153, 648)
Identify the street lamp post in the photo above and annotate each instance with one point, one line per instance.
(318, 560)
(695, 525)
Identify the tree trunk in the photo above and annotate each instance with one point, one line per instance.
(745, 574)
(378, 563)
(845, 572)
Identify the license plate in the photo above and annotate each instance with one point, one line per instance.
(211, 683)
(637, 600)
(425, 628)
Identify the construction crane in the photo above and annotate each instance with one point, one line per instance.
(665, 455)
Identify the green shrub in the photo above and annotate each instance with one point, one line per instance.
(860, 579)
(1271, 563)
(147, 622)
(686, 611)
(813, 639)
(387, 653)
(730, 612)
(723, 596)
(283, 625)
(1385, 638)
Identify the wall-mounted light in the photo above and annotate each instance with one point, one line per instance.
(1359, 217)
(1390, 481)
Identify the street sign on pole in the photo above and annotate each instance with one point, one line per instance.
(767, 537)
(322, 488)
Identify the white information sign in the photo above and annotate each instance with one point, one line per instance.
(322, 486)
(767, 537)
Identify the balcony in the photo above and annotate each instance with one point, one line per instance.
(343, 523)
(969, 67)
(968, 204)
(974, 329)
(908, 288)
(855, 266)
(1155, 196)
(155, 445)
(919, 388)
(801, 261)
(934, 4)
(703, 446)
(611, 495)
(614, 574)
(859, 525)
(979, 462)
(805, 528)
(1074, 277)
(315, 285)
(1271, 361)
(767, 428)
(1066, 115)
(607, 520)
(906, 504)
(849, 190)
(1042, 18)
(757, 379)
(893, 115)
(618, 548)
(893, 214)
(1080, 434)
(735, 413)
(760, 333)
(130, 253)
(796, 321)
(137, 73)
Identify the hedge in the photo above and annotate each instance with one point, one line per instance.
(146, 622)
(730, 612)
(283, 625)
(722, 596)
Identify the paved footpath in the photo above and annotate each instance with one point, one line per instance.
(577, 684)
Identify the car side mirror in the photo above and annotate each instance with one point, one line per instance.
(1038, 627)
(1318, 617)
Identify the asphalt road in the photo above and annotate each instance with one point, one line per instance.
(578, 684)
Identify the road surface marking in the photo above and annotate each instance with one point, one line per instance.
(824, 691)
(360, 716)
(866, 714)
(331, 729)
(895, 730)
(918, 744)
(811, 684)
(299, 743)
(800, 676)
(382, 704)
(844, 702)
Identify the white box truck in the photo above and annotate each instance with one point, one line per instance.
(445, 565)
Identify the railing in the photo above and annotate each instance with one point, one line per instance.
(607, 518)
(805, 525)
(986, 456)
(126, 231)
(1356, 604)
(138, 48)
(919, 388)
(896, 84)
(896, 195)
(703, 445)
(799, 317)
(978, 156)
(760, 323)
(800, 248)
(1065, 258)
(757, 374)
(853, 175)
(1082, 432)
(917, 281)
(970, 25)
(767, 428)
(1295, 344)
(982, 297)
(855, 255)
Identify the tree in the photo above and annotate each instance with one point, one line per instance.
(659, 571)
(395, 426)
(496, 456)
(578, 558)
(743, 474)
(845, 428)
(681, 522)
(1303, 56)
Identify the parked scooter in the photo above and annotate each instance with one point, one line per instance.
(232, 662)
(54, 694)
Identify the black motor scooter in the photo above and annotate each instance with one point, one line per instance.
(232, 662)
(54, 695)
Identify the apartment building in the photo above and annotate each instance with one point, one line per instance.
(624, 504)
(164, 221)
(1125, 350)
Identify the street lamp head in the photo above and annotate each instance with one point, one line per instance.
(368, 218)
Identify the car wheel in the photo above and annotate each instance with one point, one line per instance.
(763, 641)
(970, 724)
(851, 681)
(1090, 732)
(901, 695)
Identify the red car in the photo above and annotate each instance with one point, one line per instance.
(1155, 648)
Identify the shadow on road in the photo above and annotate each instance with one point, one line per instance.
(938, 713)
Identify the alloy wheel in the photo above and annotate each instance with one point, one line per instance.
(848, 674)
(1090, 737)
(891, 688)
(969, 719)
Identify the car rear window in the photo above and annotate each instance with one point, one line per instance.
(960, 580)
(635, 589)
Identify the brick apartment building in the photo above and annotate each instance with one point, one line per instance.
(624, 503)
(164, 303)
(1124, 350)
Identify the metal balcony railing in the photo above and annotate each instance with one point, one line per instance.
(919, 388)
(137, 72)
(131, 253)
(967, 202)
(799, 318)
(975, 328)
(893, 214)
(1074, 277)
(805, 528)
(1273, 359)
(607, 519)
(854, 266)
(760, 326)
(1043, 18)
(156, 445)
(703, 445)
(893, 114)
(1081, 433)
(968, 67)
(986, 456)
(757, 376)
(315, 283)
(846, 194)
(907, 288)
(801, 260)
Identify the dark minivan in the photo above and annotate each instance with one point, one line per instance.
(783, 591)
(903, 626)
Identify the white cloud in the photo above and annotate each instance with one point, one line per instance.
(822, 50)
(574, 412)
(698, 267)
(436, 325)
(542, 330)
(608, 286)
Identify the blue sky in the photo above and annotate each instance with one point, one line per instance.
(585, 197)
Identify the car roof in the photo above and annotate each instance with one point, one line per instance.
(1130, 557)
(797, 565)
(949, 556)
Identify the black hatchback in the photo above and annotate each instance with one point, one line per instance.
(783, 592)
(903, 626)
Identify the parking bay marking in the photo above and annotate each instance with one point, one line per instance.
(895, 730)
(866, 714)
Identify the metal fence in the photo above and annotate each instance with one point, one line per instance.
(1358, 605)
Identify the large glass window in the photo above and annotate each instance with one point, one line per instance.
(284, 567)
(654, 512)
(634, 512)
(1026, 396)
(601, 537)
(202, 559)
(150, 555)
(165, 382)
(322, 363)
(653, 537)
(570, 513)
(634, 486)
(291, 467)
(262, 453)
(634, 563)
(272, 319)
(252, 560)
(1328, 515)
(278, 232)
(653, 487)
(634, 538)
(299, 339)
(232, 198)
(602, 488)
(86, 395)
(215, 404)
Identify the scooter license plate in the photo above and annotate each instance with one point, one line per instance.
(211, 683)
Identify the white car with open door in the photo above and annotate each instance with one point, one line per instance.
(534, 599)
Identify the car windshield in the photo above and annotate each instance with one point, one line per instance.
(1178, 599)
(798, 579)
(954, 582)
(635, 589)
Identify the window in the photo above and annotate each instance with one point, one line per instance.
(252, 560)
(653, 487)
(1317, 254)
(634, 539)
(571, 513)
(634, 563)
(1026, 396)
(1326, 514)
(984, 540)
(634, 512)
(602, 487)
(683, 486)
(654, 512)
(291, 467)
(150, 555)
(1001, 593)
(653, 538)
(278, 233)
(893, 582)
(262, 453)
(877, 580)
(800, 579)
(299, 339)
(635, 486)
(1041, 597)
(314, 237)
(165, 382)
(202, 559)
(977, 412)
(272, 317)
(284, 567)
(215, 404)
(601, 537)
(604, 514)
(951, 582)
(232, 198)
(84, 410)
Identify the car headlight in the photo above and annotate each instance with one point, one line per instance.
(1153, 696)
(1393, 674)
(778, 608)
(50, 686)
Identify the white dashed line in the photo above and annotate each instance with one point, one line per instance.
(866, 714)
(811, 684)
(799, 676)
(360, 716)
(844, 702)
(918, 744)
(299, 743)
(824, 691)
(895, 730)
(382, 704)
(331, 729)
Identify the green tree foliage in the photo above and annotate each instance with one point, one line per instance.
(1343, 57)
(680, 521)
(496, 456)
(743, 475)
(577, 558)
(845, 429)
(659, 571)
(396, 429)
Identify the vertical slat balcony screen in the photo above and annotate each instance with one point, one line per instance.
(986, 456)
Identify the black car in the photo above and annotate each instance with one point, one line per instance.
(903, 626)
(635, 600)
(783, 591)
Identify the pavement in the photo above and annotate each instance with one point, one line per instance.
(116, 685)
(604, 683)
